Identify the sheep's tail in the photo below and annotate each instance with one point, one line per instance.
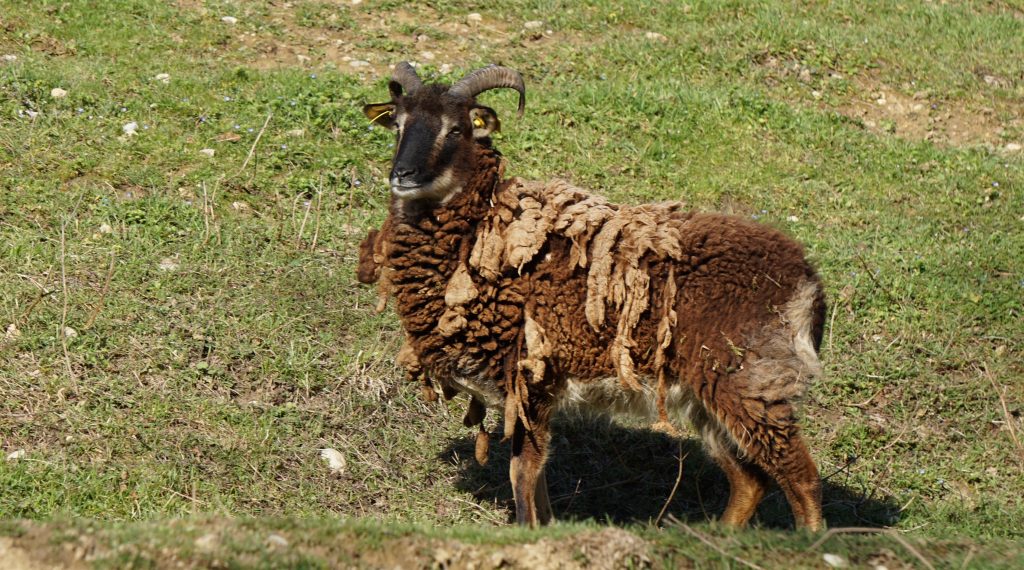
(805, 313)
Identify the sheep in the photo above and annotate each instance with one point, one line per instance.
(536, 296)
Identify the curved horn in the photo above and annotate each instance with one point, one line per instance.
(406, 76)
(491, 77)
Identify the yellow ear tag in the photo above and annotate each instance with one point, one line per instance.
(478, 123)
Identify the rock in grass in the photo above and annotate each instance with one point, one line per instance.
(208, 152)
(335, 460)
(207, 542)
(230, 20)
(835, 561)
(16, 455)
(277, 541)
(58, 93)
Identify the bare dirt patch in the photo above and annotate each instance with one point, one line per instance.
(922, 116)
(364, 40)
(911, 114)
(607, 549)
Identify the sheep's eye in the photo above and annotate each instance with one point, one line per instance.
(454, 132)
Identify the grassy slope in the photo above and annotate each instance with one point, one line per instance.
(232, 342)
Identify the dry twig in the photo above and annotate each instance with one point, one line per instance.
(316, 223)
(254, 143)
(866, 530)
(103, 293)
(675, 487)
(1001, 392)
(302, 227)
(701, 537)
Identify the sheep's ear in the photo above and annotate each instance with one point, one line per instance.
(485, 122)
(382, 114)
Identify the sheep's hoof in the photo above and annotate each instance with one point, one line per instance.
(428, 394)
(475, 414)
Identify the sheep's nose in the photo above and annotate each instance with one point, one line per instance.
(403, 172)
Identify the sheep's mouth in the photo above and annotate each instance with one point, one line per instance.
(440, 188)
(408, 190)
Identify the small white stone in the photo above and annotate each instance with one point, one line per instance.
(1013, 147)
(32, 114)
(130, 129)
(106, 229)
(207, 542)
(296, 132)
(474, 17)
(445, 68)
(835, 561)
(277, 541)
(792, 219)
(70, 332)
(12, 332)
(9, 57)
(357, 2)
(335, 460)
(16, 455)
(655, 36)
(881, 101)
(58, 93)
(302, 58)
(168, 264)
(208, 152)
(359, 63)
(533, 24)
(229, 20)
(163, 77)
(428, 55)
(816, 94)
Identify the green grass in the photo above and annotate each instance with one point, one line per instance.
(220, 339)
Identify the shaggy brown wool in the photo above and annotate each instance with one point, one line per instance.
(514, 290)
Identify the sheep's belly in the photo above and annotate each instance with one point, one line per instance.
(603, 395)
(482, 389)
(608, 395)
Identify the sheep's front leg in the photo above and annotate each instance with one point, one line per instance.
(544, 513)
(526, 470)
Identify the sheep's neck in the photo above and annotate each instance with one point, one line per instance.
(426, 248)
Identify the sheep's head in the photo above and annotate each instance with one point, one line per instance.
(437, 128)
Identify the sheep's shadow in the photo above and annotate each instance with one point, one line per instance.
(605, 471)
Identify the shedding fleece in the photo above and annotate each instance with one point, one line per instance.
(616, 241)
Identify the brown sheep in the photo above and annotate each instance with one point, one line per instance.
(534, 296)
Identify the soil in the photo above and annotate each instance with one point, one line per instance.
(44, 548)
(359, 40)
(923, 116)
(981, 120)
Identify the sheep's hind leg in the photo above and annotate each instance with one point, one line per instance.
(795, 471)
(526, 470)
(747, 483)
(774, 445)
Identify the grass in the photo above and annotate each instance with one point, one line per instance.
(182, 334)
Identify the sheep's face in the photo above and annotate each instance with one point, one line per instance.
(436, 135)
